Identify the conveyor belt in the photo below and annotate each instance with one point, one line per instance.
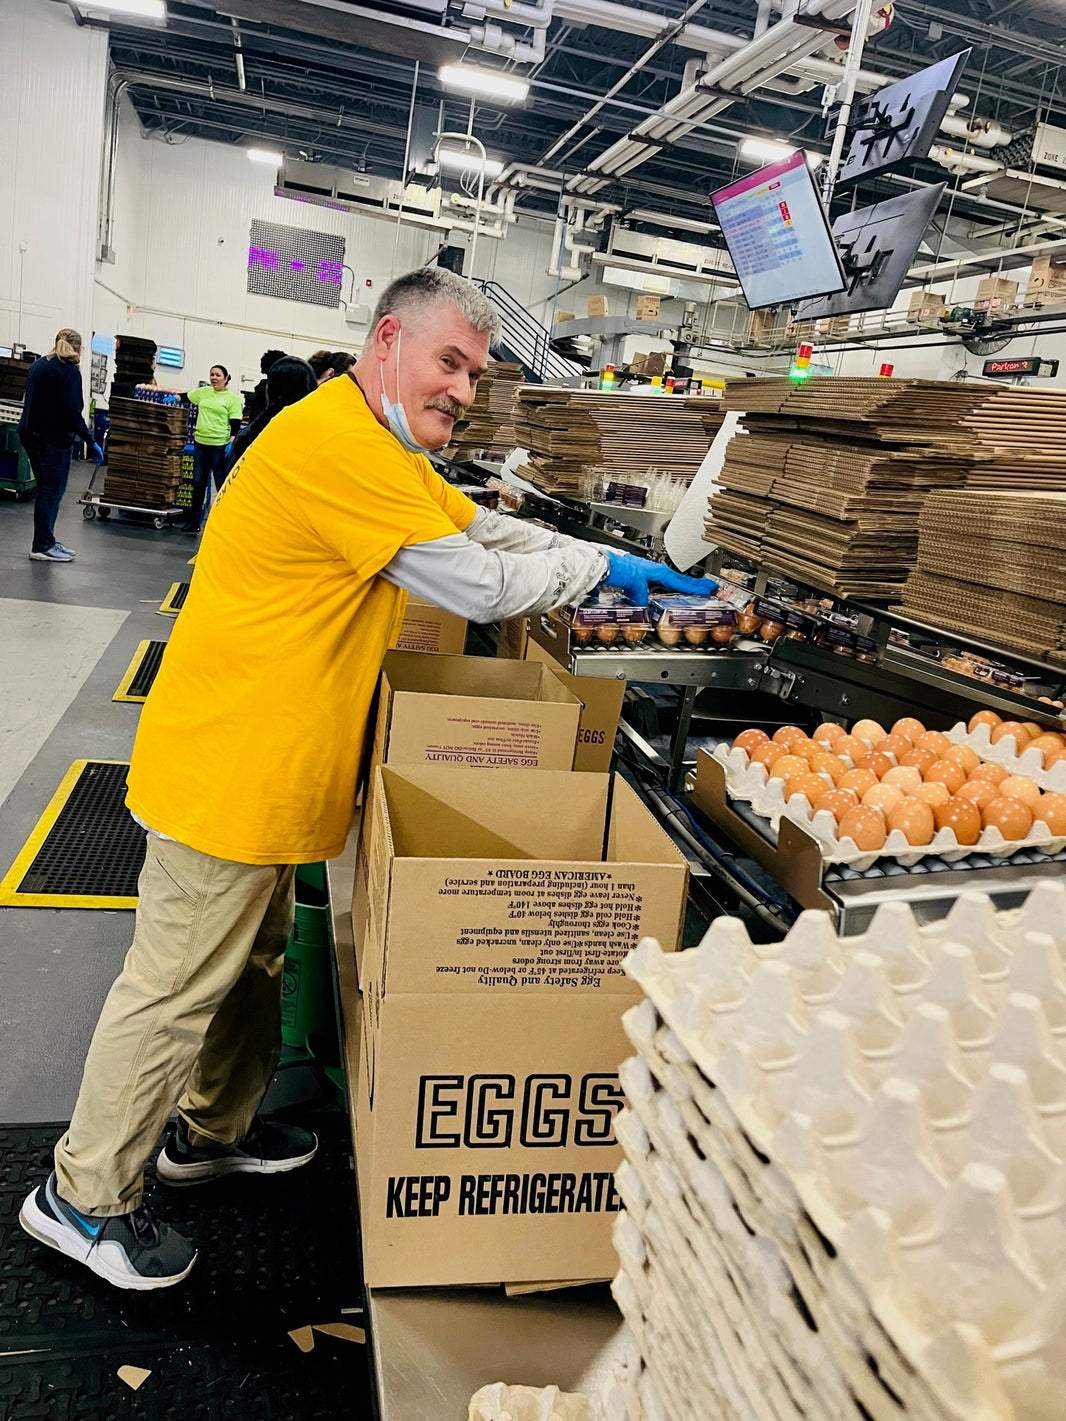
(86, 850)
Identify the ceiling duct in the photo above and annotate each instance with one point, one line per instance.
(377, 29)
(664, 256)
(340, 188)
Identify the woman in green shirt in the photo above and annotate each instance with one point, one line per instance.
(218, 419)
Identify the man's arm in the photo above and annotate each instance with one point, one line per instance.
(508, 534)
(488, 584)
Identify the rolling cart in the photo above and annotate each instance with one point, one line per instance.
(94, 504)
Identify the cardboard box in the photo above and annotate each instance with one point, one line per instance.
(1047, 280)
(561, 316)
(473, 711)
(926, 306)
(994, 293)
(601, 699)
(492, 994)
(596, 306)
(430, 628)
(648, 308)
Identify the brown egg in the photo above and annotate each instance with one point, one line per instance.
(948, 773)
(696, 636)
(768, 754)
(905, 777)
(1048, 744)
(1052, 757)
(962, 816)
(669, 636)
(883, 797)
(607, 633)
(876, 762)
(934, 740)
(920, 759)
(989, 770)
(853, 747)
(979, 792)
(914, 819)
(1015, 731)
(1052, 811)
(810, 785)
(865, 827)
(750, 740)
(809, 749)
(747, 623)
(932, 792)
(1021, 787)
(582, 634)
(909, 726)
(722, 634)
(984, 717)
(788, 767)
(868, 730)
(634, 633)
(1033, 729)
(838, 802)
(789, 735)
(831, 765)
(858, 780)
(829, 733)
(770, 631)
(963, 755)
(897, 745)
(1012, 817)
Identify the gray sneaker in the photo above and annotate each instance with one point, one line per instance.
(64, 549)
(128, 1250)
(54, 554)
(270, 1147)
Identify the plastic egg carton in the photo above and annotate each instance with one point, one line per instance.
(867, 1135)
(751, 784)
(1005, 753)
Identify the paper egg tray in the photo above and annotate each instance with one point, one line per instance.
(1004, 752)
(618, 1401)
(845, 1165)
(751, 784)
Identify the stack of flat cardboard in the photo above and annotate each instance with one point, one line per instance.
(841, 1200)
(993, 563)
(134, 365)
(13, 378)
(830, 482)
(575, 436)
(144, 453)
(486, 431)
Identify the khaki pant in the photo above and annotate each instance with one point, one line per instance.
(193, 1021)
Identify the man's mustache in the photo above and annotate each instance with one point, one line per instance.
(446, 406)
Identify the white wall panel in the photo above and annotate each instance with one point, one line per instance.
(53, 79)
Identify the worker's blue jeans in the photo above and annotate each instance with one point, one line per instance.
(208, 461)
(51, 469)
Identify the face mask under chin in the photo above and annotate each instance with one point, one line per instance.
(394, 412)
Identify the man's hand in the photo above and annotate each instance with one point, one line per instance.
(635, 576)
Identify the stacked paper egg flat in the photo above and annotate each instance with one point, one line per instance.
(845, 1174)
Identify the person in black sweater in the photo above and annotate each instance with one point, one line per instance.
(257, 400)
(51, 418)
(289, 380)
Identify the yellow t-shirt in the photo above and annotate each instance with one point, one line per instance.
(250, 743)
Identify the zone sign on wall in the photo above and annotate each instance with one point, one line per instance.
(294, 264)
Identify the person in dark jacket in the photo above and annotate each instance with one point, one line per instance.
(257, 400)
(289, 380)
(51, 419)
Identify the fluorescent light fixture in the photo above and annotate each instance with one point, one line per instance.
(488, 82)
(146, 9)
(764, 150)
(660, 219)
(266, 155)
(458, 160)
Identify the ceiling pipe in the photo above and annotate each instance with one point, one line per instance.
(957, 162)
(237, 54)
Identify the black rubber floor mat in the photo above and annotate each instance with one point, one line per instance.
(276, 1255)
(173, 602)
(140, 674)
(86, 850)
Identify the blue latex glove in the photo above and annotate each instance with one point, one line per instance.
(229, 446)
(634, 576)
(97, 454)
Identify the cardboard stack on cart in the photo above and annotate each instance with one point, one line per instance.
(497, 892)
(144, 453)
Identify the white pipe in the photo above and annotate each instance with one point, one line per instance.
(958, 162)
(496, 40)
(534, 17)
(860, 23)
(762, 18)
(978, 132)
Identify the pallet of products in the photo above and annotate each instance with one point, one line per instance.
(145, 454)
(579, 438)
(134, 365)
(486, 430)
(993, 563)
(831, 479)
(843, 1168)
(13, 378)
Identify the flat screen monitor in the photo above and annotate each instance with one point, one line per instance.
(7, 352)
(777, 233)
(899, 124)
(878, 245)
(103, 345)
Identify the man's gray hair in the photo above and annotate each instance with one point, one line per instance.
(433, 285)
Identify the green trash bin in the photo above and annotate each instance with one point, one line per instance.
(306, 985)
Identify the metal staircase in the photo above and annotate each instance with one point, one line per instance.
(525, 341)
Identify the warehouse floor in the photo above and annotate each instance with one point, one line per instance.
(277, 1256)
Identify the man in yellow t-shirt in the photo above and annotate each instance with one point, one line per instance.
(249, 748)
